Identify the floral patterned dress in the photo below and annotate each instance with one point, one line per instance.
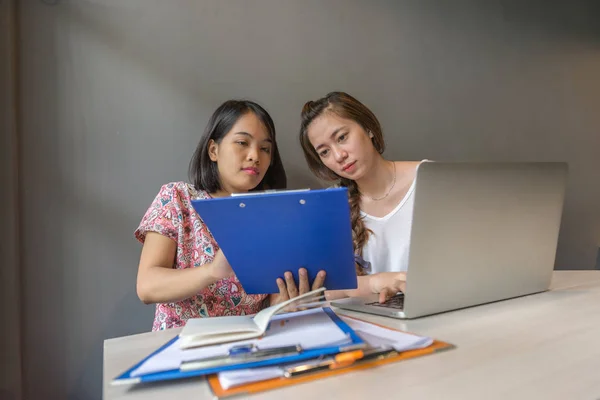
(172, 215)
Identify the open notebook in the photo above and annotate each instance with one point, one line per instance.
(206, 331)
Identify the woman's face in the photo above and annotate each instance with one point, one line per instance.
(342, 145)
(244, 155)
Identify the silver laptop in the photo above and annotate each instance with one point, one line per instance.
(481, 232)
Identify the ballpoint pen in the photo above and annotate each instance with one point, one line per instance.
(341, 360)
(240, 355)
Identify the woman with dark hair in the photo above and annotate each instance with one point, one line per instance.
(343, 141)
(181, 267)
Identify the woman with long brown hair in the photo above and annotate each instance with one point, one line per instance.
(343, 142)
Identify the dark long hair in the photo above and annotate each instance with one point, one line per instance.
(344, 106)
(204, 173)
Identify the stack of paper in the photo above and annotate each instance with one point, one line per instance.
(295, 345)
(374, 335)
(308, 329)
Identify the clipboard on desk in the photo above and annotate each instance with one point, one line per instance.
(264, 234)
(337, 367)
(170, 362)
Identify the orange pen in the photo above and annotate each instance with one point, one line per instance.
(341, 360)
(344, 359)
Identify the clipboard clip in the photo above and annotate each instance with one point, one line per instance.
(246, 351)
(240, 354)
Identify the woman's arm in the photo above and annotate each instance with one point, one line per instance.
(363, 289)
(159, 282)
(387, 284)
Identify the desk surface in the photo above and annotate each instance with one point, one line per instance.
(542, 346)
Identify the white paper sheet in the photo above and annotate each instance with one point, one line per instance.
(379, 336)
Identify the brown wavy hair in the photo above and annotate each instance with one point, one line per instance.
(344, 106)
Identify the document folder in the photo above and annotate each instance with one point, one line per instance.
(265, 234)
(295, 376)
(331, 335)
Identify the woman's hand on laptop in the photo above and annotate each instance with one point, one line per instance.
(288, 288)
(387, 284)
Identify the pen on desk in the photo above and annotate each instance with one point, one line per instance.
(240, 355)
(341, 360)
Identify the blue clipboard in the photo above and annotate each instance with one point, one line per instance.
(355, 342)
(263, 235)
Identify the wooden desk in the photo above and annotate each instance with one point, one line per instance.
(543, 346)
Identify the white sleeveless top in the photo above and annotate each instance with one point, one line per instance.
(387, 247)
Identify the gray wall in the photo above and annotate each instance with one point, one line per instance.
(10, 366)
(115, 93)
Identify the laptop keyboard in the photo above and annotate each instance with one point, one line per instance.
(396, 301)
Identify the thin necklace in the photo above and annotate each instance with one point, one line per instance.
(389, 191)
